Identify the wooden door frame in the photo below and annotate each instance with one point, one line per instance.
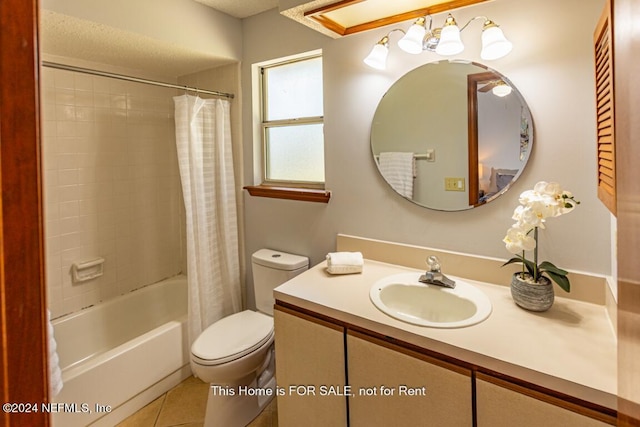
(22, 288)
(626, 14)
(473, 80)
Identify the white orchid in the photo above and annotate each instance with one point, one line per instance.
(546, 200)
(518, 240)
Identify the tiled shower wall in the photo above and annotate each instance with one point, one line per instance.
(111, 186)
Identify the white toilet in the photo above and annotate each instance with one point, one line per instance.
(236, 355)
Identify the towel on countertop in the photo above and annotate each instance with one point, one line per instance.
(398, 169)
(55, 375)
(344, 262)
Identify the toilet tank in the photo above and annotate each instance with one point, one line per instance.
(270, 270)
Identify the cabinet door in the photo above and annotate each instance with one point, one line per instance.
(392, 386)
(309, 360)
(498, 406)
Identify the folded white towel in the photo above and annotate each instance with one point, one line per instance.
(55, 375)
(344, 262)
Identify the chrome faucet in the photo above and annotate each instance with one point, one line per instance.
(434, 276)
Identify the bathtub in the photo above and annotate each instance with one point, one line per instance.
(122, 354)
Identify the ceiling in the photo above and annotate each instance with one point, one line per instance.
(64, 36)
(240, 8)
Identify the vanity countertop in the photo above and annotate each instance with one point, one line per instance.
(571, 348)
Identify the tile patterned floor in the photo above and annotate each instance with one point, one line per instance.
(184, 406)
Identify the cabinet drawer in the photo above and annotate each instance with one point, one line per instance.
(309, 355)
(394, 386)
(498, 406)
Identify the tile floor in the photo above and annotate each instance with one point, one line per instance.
(184, 406)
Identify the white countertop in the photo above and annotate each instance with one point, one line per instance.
(573, 341)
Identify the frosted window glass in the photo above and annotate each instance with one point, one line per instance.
(294, 90)
(295, 153)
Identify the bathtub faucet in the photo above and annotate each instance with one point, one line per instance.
(434, 276)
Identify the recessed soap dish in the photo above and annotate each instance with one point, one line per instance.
(88, 270)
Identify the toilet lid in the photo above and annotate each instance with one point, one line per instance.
(232, 337)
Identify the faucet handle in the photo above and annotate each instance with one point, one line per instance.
(434, 263)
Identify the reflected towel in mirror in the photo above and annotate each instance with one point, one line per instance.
(398, 169)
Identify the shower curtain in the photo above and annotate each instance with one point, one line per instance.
(203, 139)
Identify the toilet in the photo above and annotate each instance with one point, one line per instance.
(236, 354)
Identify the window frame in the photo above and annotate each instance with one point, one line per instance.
(265, 125)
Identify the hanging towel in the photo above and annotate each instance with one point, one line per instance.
(344, 262)
(398, 170)
(55, 375)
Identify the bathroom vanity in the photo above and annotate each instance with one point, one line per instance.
(341, 361)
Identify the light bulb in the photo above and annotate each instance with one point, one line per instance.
(413, 39)
(494, 44)
(377, 58)
(450, 43)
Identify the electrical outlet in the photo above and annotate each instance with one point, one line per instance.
(454, 184)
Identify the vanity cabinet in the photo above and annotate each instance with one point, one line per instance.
(391, 385)
(309, 356)
(340, 374)
(500, 403)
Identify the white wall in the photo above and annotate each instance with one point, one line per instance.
(552, 66)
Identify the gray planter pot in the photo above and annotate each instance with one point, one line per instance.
(532, 296)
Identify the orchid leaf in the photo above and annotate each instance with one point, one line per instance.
(512, 261)
(561, 280)
(547, 266)
(519, 259)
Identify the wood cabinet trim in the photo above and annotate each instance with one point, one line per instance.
(309, 318)
(319, 15)
(568, 403)
(300, 194)
(605, 113)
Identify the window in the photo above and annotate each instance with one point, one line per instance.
(292, 123)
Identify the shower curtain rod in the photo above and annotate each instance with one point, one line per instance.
(134, 79)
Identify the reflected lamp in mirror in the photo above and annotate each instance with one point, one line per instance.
(501, 89)
(444, 41)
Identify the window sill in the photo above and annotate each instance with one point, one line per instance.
(302, 194)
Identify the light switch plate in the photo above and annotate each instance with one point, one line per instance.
(454, 184)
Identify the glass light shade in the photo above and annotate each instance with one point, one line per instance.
(412, 40)
(450, 43)
(494, 44)
(501, 90)
(378, 57)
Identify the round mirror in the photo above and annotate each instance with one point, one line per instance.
(451, 135)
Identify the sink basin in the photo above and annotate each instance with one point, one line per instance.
(403, 297)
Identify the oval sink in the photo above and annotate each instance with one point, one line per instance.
(403, 297)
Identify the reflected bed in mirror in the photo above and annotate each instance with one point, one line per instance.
(451, 135)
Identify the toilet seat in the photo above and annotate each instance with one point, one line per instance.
(232, 337)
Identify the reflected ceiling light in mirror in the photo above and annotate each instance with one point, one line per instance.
(444, 41)
(501, 89)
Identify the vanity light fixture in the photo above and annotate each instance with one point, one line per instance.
(443, 41)
(377, 58)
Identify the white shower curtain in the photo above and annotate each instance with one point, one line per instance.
(203, 139)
